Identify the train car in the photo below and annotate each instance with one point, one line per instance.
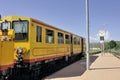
(77, 44)
(76, 47)
(37, 43)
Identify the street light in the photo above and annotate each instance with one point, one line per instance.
(87, 36)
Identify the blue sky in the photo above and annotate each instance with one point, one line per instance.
(70, 14)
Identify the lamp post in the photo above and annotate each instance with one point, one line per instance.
(87, 36)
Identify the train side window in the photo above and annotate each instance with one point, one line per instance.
(5, 25)
(78, 41)
(60, 38)
(67, 39)
(49, 36)
(38, 34)
(75, 40)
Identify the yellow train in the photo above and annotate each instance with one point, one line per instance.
(36, 44)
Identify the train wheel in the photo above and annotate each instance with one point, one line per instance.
(6, 75)
(66, 58)
(35, 74)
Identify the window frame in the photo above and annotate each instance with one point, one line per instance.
(38, 37)
(27, 31)
(79, 40)
(53, 35)
(75, 40)
(4, 22)
(67, 39)
(60, 38)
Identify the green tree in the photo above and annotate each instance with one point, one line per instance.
(112, 44)
(106, 45)
(118, 45)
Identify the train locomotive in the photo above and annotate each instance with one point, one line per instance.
(34, 44)
(6, 54)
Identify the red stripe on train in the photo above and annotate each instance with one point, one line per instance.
(44, 58)
(5, 67)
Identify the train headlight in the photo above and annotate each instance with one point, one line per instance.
(20, 50)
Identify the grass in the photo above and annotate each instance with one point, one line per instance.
(92, 52)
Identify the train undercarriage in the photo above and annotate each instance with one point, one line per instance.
(38, 70)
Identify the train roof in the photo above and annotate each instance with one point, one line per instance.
(48, 25)
(38, 22)
(51, 26)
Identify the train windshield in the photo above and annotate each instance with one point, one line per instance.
(21, 30)
(5, 25)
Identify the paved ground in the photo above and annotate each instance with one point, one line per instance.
(103, 67)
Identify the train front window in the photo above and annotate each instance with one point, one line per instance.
(5, 25)
(21, 30)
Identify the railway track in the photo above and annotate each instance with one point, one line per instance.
(116, 54)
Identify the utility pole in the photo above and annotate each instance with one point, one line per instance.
(87, 36)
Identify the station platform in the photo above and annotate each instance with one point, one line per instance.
(103, 67)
